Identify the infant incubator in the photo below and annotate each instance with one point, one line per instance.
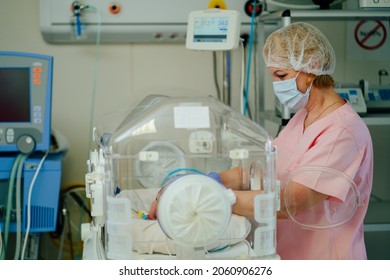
(171, 151)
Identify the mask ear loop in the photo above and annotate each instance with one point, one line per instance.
(309, 87)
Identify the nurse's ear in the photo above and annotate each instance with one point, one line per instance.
(310, 79)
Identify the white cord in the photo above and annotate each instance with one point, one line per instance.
(18, 206)
(95, 75)
(29, 203)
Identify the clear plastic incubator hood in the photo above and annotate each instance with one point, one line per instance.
(169, 152)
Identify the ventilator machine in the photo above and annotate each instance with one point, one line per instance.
(30, 162)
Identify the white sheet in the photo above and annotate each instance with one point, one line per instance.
(149, 238)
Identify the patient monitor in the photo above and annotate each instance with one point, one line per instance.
(172, 149)
(213, 29)
(25, 101)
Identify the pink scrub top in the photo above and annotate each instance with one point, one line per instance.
(339, 141)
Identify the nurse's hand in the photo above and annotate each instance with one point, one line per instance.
(236, 178)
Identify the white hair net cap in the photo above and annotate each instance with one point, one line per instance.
(302, 47)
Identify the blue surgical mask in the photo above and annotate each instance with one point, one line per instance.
(289, 95)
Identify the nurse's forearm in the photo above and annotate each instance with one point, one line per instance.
(244, 203)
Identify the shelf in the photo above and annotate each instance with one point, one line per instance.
(326, 15)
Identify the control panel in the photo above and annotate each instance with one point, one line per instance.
(378, 99)
(25, 102)
(355, 97)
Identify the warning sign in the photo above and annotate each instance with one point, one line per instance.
(368, 40)
(370, 35)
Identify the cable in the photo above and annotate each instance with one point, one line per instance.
(9, 205)
(18, 206)
(229, 76)
(95, 74)
(66, 238)
(29, 203)
(192, 170)
(215, 75)
(242, 90)
(251, 35)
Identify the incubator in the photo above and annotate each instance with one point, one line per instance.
(171, 150)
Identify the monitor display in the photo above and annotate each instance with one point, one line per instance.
(211, 29)
(25, 101)
(15, 95)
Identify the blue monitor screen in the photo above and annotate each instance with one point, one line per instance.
(15, 95)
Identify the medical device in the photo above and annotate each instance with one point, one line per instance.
(213, 29)
(374, 4)
(355, 98)
(25, 101)
(378, 99)
(42, 204)
(155, 21)
(172, 149)
(30, 177)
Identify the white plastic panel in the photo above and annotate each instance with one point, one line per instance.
(132, 20)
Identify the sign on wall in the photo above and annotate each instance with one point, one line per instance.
(368, 40)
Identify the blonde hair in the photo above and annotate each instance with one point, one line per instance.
(302, 47)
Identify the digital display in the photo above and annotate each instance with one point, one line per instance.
(15, 95)
(211, 29)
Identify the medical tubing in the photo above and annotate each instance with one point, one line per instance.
(18, 206)
(215, 75)
(242, 90)
(9, 204)
(29, 202)
(78, 25)
(95, 74)
(61, 246)
(229, 76)
(167, 177)
(251, 35)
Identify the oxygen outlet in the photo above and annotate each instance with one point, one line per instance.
(249, 8)
(114, 9)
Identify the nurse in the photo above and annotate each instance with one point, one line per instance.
(325, 132)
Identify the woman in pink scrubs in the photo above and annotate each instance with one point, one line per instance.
(325, 132)
(324, 154)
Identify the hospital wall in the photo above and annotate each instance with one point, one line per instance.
(125, 71)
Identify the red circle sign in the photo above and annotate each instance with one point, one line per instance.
(370, 35)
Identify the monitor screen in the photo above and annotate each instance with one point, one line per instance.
(25, 101)
(15, 95)
(211, 29)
